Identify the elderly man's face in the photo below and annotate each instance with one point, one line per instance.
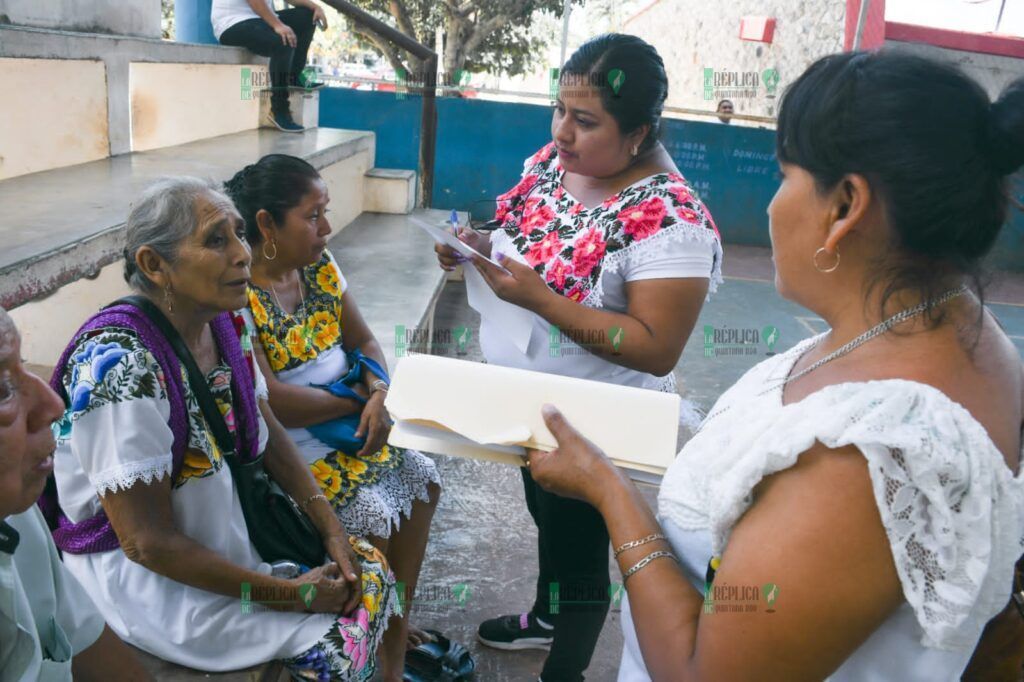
(27, 409)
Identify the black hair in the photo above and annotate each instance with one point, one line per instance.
(931, 147)
(275, 183)
(630, 76)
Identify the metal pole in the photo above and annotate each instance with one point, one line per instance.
(428, 132)
(566, 11)
(861, 18)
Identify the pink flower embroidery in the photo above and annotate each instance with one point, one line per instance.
(543, 154)
(682, 194)
(676, 177)
(689, 215)
(524, 186)
(557, 272)
(536, 214)
(575, 210)
(355, 635)
(576, 294)
(544, 250)
(610, 201)
(559, 192)
(644, 219)
(587, 252)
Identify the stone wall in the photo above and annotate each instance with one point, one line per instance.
(121, 17)
(695, 35)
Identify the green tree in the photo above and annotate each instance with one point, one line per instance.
(477, 35)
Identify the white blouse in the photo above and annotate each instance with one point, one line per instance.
(952, 510)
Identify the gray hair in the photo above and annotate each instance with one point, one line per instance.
(162, 218)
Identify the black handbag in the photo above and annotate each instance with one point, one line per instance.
(278, 529)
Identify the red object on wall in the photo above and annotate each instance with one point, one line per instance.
(874, 25)
(758, 29)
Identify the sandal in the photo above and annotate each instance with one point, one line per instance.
(439, 661)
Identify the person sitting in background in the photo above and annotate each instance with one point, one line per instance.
(309, 333)
(153, 524)
(853, 508)
(725, 107)
(283, 36)
(49, 628)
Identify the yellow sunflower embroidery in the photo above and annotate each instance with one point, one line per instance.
(354, 468)
(325, 329)
(373, 591)
(299, 345)
(195, 465)
(382, 455)
(327, 278)
(328, 477)
(276, 353)
(259, 313)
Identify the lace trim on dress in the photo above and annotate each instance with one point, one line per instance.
(640, 252)
(125, 476)
(952, 511)
(377, 509)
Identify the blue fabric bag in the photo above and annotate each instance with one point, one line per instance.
(339, 433)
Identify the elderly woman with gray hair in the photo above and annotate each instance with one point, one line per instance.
(144, 504)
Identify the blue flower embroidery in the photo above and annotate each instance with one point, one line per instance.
(100, 359)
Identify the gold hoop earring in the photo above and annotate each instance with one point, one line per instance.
(168, 301)
(265, 254)
(818, 267)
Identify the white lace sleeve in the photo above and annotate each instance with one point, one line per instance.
(116, 425)
(953, 512)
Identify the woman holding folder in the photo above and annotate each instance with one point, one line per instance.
(603, 240)
(850, 509)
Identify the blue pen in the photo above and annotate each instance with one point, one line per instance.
(454, 220)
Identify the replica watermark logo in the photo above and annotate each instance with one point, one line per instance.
(727, 598)
(724, 84)
(558, 595)
(440, 341)
(260, 596)
(720, 341)
(433, 598)
(616, 77)
(566, 342)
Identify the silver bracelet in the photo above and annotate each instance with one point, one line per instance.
(646, 560)
(380, 382)
(311, 498)
(636, 543)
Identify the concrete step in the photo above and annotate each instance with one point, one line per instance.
(64, 225)
(72, 97)
(390, 191)
(393, 275)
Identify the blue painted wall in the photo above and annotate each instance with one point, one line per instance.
(481, 146)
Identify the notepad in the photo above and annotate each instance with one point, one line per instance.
(480, 411)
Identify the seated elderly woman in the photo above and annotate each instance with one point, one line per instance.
(49, 628)
(309, 333)
(151, 520)
(852, 508)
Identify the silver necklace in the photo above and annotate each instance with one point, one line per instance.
(878, 329)
(300, 310)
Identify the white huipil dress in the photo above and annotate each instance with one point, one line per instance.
(952, 510)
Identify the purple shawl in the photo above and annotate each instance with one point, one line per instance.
(96, 534)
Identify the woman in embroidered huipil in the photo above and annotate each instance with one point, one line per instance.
(609, 247)
(147, 511)
(308, 328)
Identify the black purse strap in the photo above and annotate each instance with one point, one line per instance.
(196, 379)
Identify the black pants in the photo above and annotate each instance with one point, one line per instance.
(572, 588)
(286, 63)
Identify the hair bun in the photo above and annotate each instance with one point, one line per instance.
(1006, 129)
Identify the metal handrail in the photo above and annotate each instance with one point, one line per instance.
(428, 118)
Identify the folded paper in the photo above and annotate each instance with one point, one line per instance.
(481, 411)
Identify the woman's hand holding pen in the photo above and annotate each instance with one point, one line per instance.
(449, 257)
(517, 283)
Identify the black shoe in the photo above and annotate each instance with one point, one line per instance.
(285, 123)
(512, 633)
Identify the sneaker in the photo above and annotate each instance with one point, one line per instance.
(512, 633)
(285, 123)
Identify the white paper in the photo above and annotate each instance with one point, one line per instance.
(443, 236)
(514, 322)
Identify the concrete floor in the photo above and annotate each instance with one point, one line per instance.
(482, 534)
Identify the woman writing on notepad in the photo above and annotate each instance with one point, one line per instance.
(851, 509)
(607, 245)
